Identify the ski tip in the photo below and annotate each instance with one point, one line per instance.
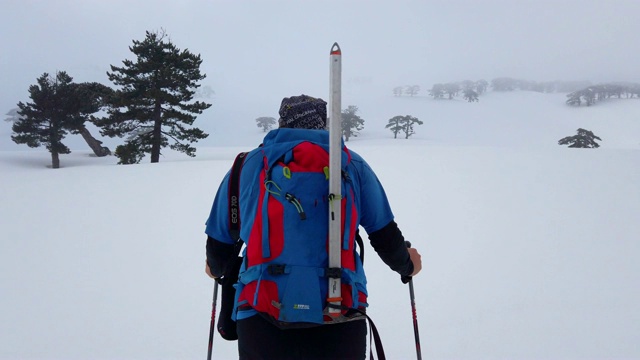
(335, 49)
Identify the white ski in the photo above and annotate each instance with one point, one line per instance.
(335, 177)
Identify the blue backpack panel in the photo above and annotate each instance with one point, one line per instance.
(284, 274)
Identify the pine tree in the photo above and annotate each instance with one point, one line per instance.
(91, 97)
(265, 122)
(451, 89)
(412, 90)
(437, 91)
(584, 139)
(154, 105)
(470, 95)
(50, 116)
(403, 123)
(394, 125)
(574, 98)
(481, 86)
(351, 123)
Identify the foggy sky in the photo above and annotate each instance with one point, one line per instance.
(268, 49)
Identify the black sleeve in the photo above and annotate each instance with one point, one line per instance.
(389, 243)
(219, 256)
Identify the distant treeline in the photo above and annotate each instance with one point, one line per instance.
(509, 84)
(470, 90)
(591, 94)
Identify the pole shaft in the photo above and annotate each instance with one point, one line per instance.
(416, 334)
(213, 319)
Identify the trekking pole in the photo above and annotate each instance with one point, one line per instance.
(213, 318)
(412, 295)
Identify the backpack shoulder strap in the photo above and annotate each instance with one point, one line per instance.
(234, 196)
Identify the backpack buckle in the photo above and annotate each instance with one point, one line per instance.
(334, 273)
(276, 269)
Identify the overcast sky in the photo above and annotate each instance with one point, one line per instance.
(278, 48)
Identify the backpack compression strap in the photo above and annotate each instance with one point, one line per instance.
(234, 196)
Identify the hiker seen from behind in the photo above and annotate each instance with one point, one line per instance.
(280, 305)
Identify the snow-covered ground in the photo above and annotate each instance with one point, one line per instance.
(530, 249)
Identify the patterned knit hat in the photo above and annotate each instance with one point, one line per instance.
(303, 112)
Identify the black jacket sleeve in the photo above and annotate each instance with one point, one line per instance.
(219, 256)
(389, 243)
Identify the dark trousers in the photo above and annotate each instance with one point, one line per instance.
(258, 339)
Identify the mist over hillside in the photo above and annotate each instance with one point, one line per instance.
(519, 118)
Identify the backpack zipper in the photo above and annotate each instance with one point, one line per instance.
(293, 200)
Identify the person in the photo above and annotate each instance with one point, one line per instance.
(304, 117)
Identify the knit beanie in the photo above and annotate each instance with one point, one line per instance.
(303, 112)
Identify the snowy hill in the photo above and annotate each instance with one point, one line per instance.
(529, 249)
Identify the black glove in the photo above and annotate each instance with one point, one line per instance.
(407, 278)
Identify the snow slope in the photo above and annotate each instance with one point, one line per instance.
(529, 249)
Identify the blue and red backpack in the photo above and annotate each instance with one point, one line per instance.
(284, 275)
